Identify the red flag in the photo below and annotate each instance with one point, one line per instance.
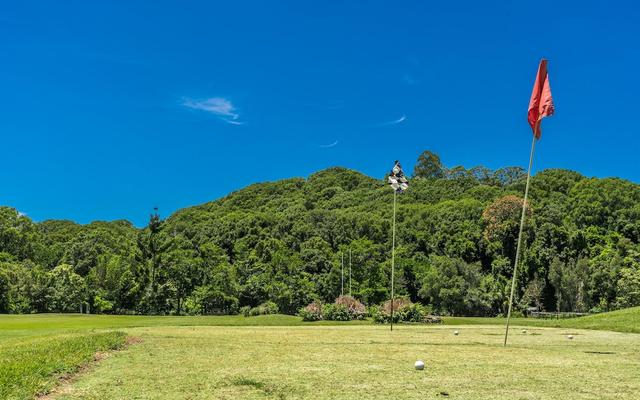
(541, 103)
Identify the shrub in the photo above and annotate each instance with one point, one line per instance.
(403, 311)
(345, 308)
(355, 309)
(191, 306)
(336, 312)
(384, 314)
(206, 300)
(312, 312)
(244, 310)
(413, 313)
(374, 312)
(101, 305)
(265, 308)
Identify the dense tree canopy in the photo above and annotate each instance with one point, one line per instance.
(282, 242)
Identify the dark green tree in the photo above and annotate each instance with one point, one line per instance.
(428, 166)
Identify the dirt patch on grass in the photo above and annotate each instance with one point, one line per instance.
(131, 340)
(64, 382)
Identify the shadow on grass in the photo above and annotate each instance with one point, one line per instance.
(266, 388)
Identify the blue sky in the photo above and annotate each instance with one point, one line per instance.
(110, 108)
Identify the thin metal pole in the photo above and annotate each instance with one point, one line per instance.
(515, 266)
(393, 255)
(342, 274)
(349, 271)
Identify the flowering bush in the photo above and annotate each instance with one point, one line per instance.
(403, 311)
(336, 312)
(355, 309)
(345, 308)
(312, 312)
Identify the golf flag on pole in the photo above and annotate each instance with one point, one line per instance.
(399, 184)
(541, 103)
(397, 180)
(540, 106)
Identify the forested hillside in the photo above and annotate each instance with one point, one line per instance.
(282, 242)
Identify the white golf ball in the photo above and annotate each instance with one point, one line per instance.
(524, 331)
(570, 337)
(419, 365)
(456, 333)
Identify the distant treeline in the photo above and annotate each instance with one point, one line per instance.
(282, 242)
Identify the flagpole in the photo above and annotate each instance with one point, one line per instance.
(393, 255)
(342, 274)
(349, 271)
(515, 266)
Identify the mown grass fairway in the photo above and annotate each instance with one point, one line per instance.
(355, 362)
(278, 357)
(36, 350)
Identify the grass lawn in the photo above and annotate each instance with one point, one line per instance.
(30, 365)
(365, 362)
(282, 357)
(36, 350)
(626, 320)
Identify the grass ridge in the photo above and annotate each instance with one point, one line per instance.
(32, 367)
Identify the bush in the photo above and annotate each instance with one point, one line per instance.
(345, 308)
(336, 312)
(413, 313)
(312, 312)
(101, 305)
(208, 300)
(245, 310)
(191, 306)
(355, 309)
(374, 311)
(383, 315)
(265, 308)
(403, 311)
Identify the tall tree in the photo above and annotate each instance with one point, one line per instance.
(428, 166)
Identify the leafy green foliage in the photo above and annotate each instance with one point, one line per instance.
(429, 166)
(266, 308)
(403, 311)
(345, 308)
(336, 312)
(355, 309)
(283, 242)
(312, 312)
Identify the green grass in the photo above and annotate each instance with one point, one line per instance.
(365, 362)
(36, 350)
(280, 356)
(627, 320)
(33, 365)
(17, 325)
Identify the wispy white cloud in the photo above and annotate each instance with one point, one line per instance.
(395, 121)
(218, 106)
(326, 146)
(22, 214)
